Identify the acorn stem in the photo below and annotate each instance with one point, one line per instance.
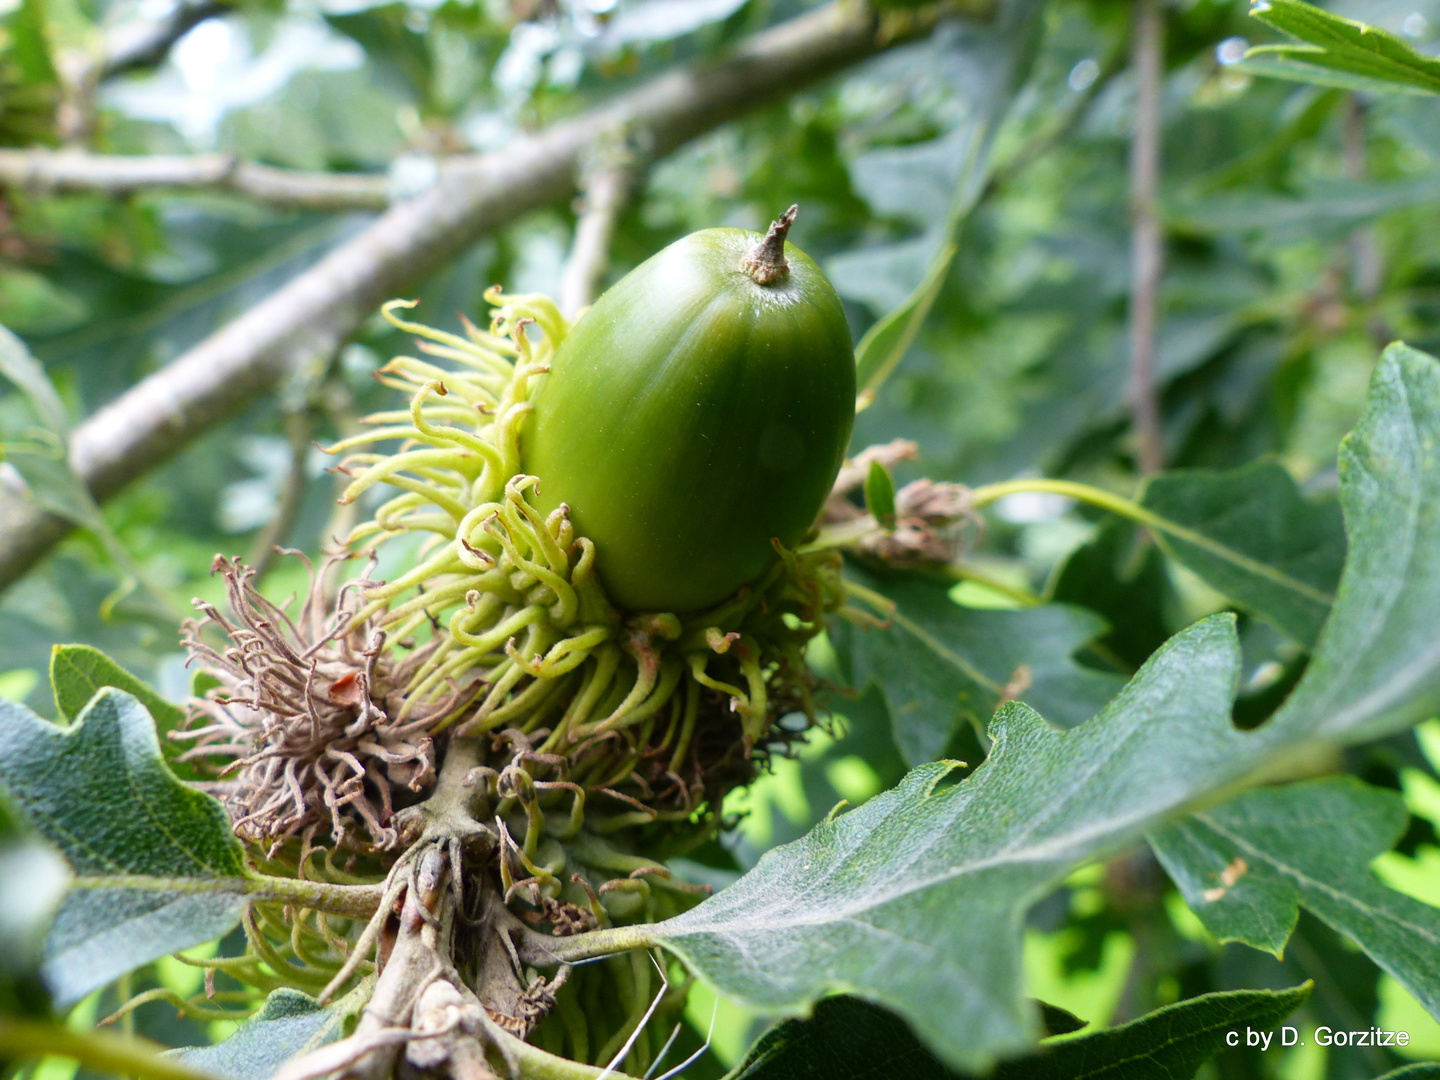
(765, 262)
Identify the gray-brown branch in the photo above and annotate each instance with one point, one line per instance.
(315, 311)
(145, 43)
(51, 172)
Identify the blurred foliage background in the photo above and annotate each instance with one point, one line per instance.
(1301, 234)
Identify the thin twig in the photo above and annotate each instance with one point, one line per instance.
(1146, 255)
(317, 310)
(47, 172)
(607, 188)
(1367, 266)
(299, 429)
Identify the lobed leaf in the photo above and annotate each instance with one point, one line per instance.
(940, 665)
(1339, 51)
(156, 867)
(848, 1039)
(915, 900)
(1246, 867)
(1376, 665)
(1291, 550)
(79, 672)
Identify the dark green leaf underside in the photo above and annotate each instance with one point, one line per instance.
(939, 664)
(291, 1023)
(848, 1039)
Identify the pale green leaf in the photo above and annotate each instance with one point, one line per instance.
(1297, 64)
(880, 495)
(1342, 47)
(43, 462)
(157, 869)
(1245, 867)
(1290, 550)
(289, 1024)
(79, 672)
(22, 369)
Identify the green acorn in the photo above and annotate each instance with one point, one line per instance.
(699, 411)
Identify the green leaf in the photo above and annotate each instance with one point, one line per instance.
(1297, 64)
(43, 460)
(33, 878)
(41, 455)
(1376, 666)
(1419, 1071)
(885, 344)
(1057, 1021)
(848, 1039)
(1376, 669)
(17, 365)
(79, 672)
(1246, 866)
(1124, 579)
(1292, 549)
(939, 664)
(1338, 46)
(30, 46)
(1325, 209)
(1005, 58)
(290, 1024)
(157, 869)
(880, 495)
(915, 900)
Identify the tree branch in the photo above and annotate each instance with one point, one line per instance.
(314, 312)
(1146, 254)
(47, 172)
(145, 43)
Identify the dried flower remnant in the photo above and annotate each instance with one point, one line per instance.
(931, 516)
(304, 715)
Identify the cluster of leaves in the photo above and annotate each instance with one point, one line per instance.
(968, 195)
